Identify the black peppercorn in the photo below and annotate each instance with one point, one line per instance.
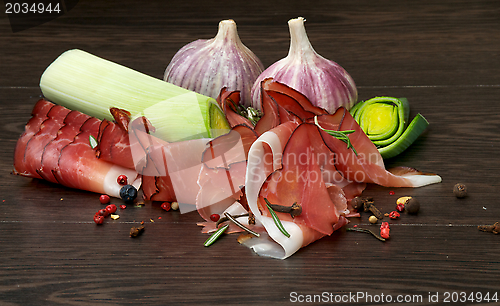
(460, 190)
(412, 206)
(128, 193)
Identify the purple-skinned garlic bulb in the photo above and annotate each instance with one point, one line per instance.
(208, 65)
(325, 83)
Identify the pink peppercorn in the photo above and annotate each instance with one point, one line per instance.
(400, 207)
(394, 215)
(166, 206)
(98, 219)
(214, 217)
(384, 230)
(104, 199)
(392, 192)
(111, 208)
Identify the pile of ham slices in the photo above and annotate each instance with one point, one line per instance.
(286, 158)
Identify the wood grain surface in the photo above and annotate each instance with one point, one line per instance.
(441, 55)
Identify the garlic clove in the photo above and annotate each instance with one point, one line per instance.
(207, 66)
(325, 83)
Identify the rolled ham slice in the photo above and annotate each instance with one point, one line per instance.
(55, 146)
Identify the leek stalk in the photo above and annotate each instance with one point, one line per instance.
(81, 81)
(385, 121)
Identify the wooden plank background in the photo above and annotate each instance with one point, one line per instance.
(442, 55)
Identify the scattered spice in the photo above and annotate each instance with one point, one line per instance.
(214, 217)
(215, 235)
(111, 208)
(123, 206)
(364, 230)
(122, 179)
(104, 199)
(392, 192)
(394, 215)
(369, 206)
(136, 231)
(241, 225)
(495, 228)
(460, 190)
(358, 202)
(174, 205)
(294, 210)
(412, 206)
(115, 217)
(373, 219)
(384, 230)
(98, 219)
(166, 206)
(400, 207)
(225, 218)
(251, 218)
(276, 219)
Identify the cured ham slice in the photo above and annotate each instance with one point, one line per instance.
(55, 146)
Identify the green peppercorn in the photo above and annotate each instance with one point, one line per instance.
(412, 206)
(460, 190)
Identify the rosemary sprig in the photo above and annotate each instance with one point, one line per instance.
(364, 230)
(276, 219)
(340, 135)
(216, 235)
(241, 225)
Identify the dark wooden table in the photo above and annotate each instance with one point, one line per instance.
(442, 55)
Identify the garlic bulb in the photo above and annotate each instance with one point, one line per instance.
(207, 66)
(325, 83)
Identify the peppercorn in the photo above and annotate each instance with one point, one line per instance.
(412, 206)
(175, 205)
(166, 206)
(111, 208)
(98, 219)
(122, 179)
(460, 190)
(394, 215)
(104, 199)
(128, 193)
(373, 219)
(214, 217)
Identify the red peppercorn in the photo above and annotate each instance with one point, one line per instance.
(99, 219)
(392, 192)
(122, 180)
(394, 215)
(400, 207)
(214, 217)
(384, 230)
(123, 206)
(166, 206)
(104, 199)
(384, 233)
(111, 208)
(102, 212)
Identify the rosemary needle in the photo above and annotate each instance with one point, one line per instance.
(340, 135)
(216, 235)
(241, 225)
(276, 219)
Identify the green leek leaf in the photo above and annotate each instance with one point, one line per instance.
(385, 121)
